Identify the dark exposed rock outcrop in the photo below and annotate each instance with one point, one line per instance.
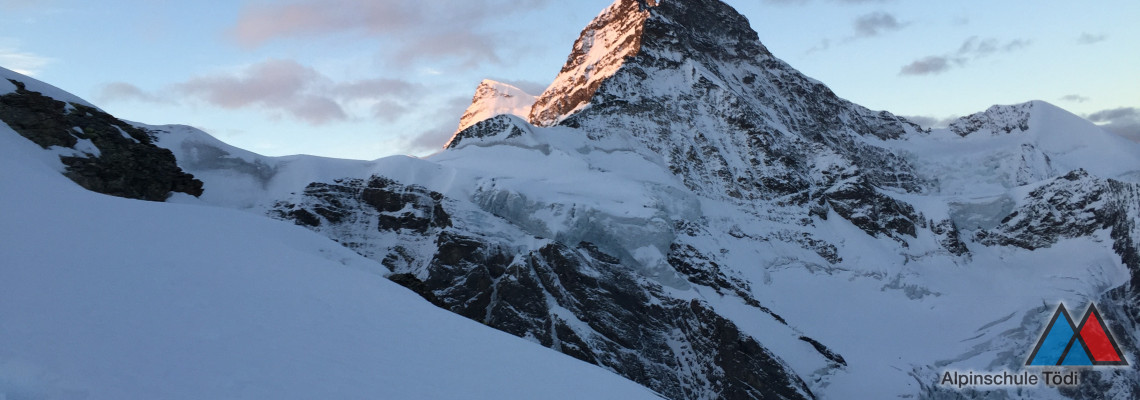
(1079, 205)
(574, 299)
(500, 127)
(125, 163)
(997, 120)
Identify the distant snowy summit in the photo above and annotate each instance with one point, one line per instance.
(493, 99)
(997, 120)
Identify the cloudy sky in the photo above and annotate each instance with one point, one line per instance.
(370, 78)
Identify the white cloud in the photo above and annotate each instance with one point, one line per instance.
(1089, 38)
(286, 87)
(424, 30)
(876, 23)
(19, 4)
(1124, 121)
(973, 48)
(23, 62)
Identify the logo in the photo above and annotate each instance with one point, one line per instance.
(1067, 343)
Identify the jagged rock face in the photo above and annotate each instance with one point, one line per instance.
(998, 120)
(949, 237)
(574, 299)
(501, 127)
(692, 83)
(359, 213)
(874, 213)
(1078, 205)
(1072, 206)
(110, 157)
(598, 53)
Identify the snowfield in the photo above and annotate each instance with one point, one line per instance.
(108, 298)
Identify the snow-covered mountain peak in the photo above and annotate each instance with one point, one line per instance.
(672, 30)
(1002, 120)
(997, 120)
(599, 52)
(495, 98)
(1009, 146)
(690, 84)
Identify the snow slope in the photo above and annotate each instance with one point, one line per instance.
(108, 298)
(36, 86)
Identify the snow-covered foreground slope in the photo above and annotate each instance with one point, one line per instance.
(108, 298)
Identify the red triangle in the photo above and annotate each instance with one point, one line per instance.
(1101, 347)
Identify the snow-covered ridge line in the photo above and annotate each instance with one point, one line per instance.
(36, 85)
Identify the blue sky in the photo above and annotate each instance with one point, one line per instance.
(370, 78)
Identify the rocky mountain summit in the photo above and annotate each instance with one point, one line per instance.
(684, 209)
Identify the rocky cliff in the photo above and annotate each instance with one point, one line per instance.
(100, 152)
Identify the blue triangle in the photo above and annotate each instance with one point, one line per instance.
(1077, 355)
(1052, 346)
